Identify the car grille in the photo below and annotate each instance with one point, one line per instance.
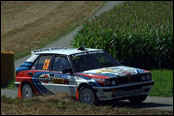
(122, 80)
(129, 79)
(134, 79)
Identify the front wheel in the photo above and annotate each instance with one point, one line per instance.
(138, 99)
(86, 95)
(27, 91)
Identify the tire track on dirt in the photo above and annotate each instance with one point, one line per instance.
(25, 28)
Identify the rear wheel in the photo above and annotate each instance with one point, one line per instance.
(138, 99)
(27, 91)
(86, 95)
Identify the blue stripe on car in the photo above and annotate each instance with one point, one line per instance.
(139, 70)
(24, 66)
(35, 83)
(38, 85)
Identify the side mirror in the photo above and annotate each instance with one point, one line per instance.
(67, 71)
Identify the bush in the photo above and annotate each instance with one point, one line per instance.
(138, 33)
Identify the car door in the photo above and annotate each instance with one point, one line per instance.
(48, 77)
(62, 78)
(39, 73)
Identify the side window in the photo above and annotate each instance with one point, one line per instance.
(61, 63)
(43, 63)
(35, 64)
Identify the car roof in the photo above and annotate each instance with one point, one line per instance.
(62, 50)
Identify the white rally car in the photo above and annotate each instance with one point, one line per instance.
(90, 75)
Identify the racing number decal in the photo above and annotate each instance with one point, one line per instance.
(46, 64)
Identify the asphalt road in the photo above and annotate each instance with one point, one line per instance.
(162, 103)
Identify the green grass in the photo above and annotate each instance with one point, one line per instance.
(54, 106)
(11, 84)
(163, 83)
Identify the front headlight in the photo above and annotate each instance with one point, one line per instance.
(110, 82)
(143, 78)
(107, 82)
(148, 77)
(113, 83)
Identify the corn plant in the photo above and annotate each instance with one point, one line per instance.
(139, 33)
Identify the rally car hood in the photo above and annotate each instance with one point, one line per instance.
(115, 71)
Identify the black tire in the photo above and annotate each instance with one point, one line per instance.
(87, 95)
(27, 91)
(138, 99)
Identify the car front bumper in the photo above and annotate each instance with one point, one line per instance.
(123, 91)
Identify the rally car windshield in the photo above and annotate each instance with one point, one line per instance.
(92, 60)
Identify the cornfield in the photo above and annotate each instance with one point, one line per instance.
(139, 33)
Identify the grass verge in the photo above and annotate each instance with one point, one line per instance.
(163, 83)
(11, 84)
(55, 105)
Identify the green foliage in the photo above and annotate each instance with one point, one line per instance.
(139, 33)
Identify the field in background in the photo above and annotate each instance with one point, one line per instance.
(63, 105)
(27, 25)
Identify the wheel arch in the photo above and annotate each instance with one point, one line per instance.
(27, 82)
(87, 85)
(83, 85)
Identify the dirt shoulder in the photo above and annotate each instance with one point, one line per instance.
(153, 103)
(25, 25)
(63, 104)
